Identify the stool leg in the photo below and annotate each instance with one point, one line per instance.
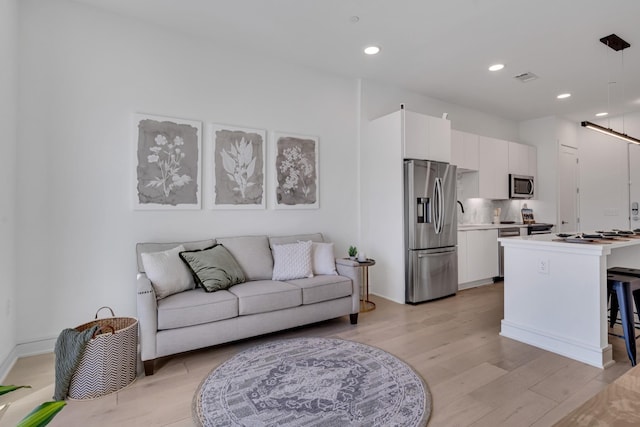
(613, 312)
(636, 299)
(626, 311)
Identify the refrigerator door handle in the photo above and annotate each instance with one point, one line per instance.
(434, 207)
(439, 205)
(441, 198)
(436, 253)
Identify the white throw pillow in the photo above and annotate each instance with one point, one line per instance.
(323, 259)
(292, 261)
(168, 274)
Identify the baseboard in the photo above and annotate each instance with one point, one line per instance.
(386, 297)
(7, 363)
(32, 348)
(591, 355)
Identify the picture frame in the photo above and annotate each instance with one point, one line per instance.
(238, 165)
(168, 158)
(295, 171)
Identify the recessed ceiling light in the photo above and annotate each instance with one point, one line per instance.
(563, 96)
(602, 114)
(371, 50)
(496, 67)
(354, 19)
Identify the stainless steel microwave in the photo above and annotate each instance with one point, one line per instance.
(521, 186)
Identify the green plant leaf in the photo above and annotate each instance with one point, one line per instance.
(43, 414)
(7, 388)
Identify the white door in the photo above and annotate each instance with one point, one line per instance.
(568, 190)
(634, 186)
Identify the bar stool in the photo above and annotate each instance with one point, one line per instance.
(625, 271)
(623, 286)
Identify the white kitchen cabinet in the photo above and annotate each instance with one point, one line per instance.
(522, 159)
(482, 254)
(533, 160)
(496, 160)
(462, 257)
(464, 150)
(492, 179)
(477, 257)
(425, 137)
(493, 168)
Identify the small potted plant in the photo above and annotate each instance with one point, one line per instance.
(353, 251)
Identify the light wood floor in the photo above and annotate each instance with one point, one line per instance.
(476, 377)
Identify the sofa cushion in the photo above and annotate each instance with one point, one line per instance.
(158, 247)
(214, 268)
(253, 255)
(292, 261)
(167, 272)
(196, 307)
(323, 259)
(261, 296)
(323, 288)
(294, 238)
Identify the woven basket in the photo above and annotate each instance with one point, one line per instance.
(109, 360)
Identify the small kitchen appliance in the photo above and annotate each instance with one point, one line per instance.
(521, 186)
(534, 227)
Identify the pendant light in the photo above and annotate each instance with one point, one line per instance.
(618, 44)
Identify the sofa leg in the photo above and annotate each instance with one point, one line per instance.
(354, 318)
(148, 367)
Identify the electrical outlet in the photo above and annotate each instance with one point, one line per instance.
(543, 265)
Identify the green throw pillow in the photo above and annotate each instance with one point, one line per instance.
(214, 268)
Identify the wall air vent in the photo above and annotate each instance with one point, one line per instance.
(526, 77)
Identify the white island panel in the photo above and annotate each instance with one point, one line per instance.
(555, 294)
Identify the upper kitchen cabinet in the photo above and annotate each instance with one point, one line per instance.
(493, 168)
(464, 150)
(492, 179)
(522, 159)
(425, 137)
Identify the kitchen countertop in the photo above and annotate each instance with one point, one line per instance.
(554, 243)
(467, 227)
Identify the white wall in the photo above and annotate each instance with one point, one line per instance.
(604, 181)
(8, 142)
(628, 123)
(379, 99)
(543, 134)
(84, 73)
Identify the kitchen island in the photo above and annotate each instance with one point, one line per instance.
(555, 293)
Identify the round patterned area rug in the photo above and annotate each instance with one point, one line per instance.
(312, 382)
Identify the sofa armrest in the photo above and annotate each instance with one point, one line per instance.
(147, 317)
(353, 271)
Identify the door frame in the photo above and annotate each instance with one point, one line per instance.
(562, 147)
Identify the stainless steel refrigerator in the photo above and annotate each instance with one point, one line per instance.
(430, 230)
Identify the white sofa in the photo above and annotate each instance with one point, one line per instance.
(194, 318)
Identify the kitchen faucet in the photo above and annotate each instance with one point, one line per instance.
(461, 205)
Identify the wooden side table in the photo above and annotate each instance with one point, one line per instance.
(365, 304)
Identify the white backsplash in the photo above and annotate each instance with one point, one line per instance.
(480, 211)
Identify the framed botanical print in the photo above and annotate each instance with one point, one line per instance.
(295, 171)
(168, 163)
(238, 167)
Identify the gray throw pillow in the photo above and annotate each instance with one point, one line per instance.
(213, 268)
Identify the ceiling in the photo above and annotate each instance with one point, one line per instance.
(441, 49)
